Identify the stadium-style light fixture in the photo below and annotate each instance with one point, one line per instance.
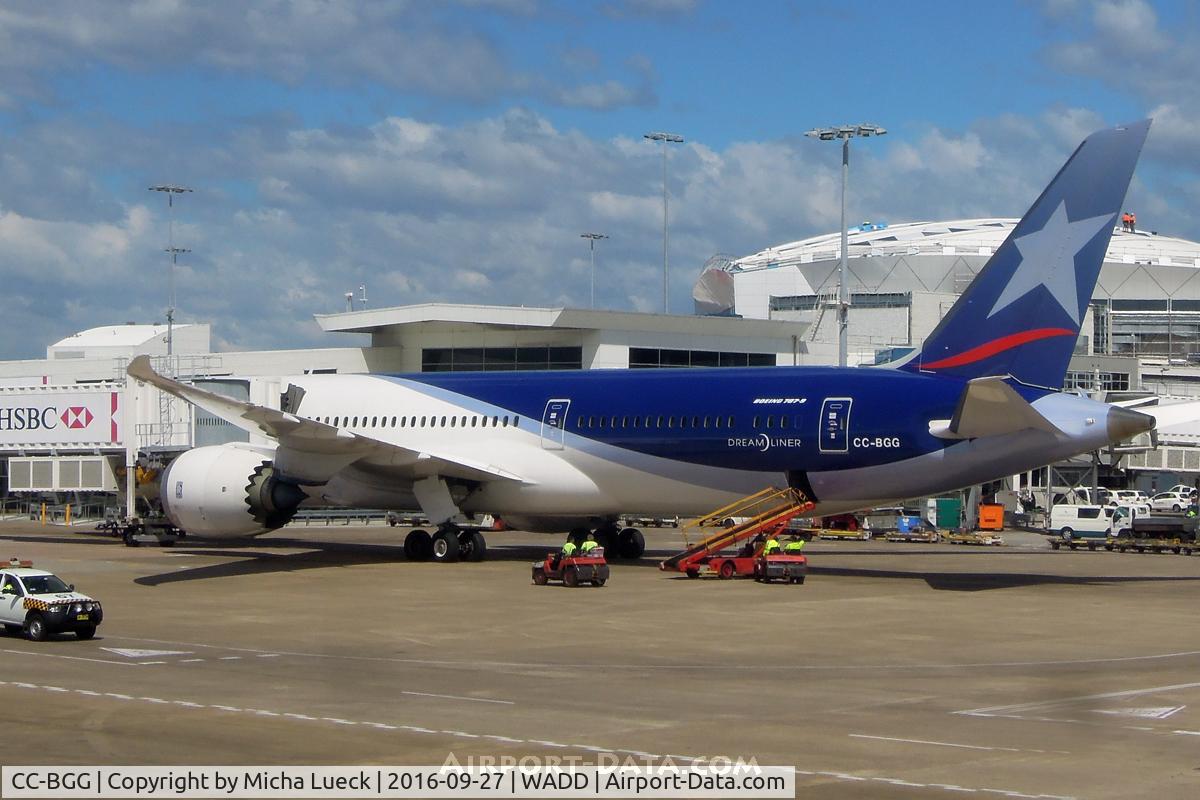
(665, 138)
(845, 133)
(592, 237)
(170, 191)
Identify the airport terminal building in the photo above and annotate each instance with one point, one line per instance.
(1141, 332)
(72, 423)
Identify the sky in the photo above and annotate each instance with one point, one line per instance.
(454, 151)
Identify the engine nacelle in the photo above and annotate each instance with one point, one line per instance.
(227, 491)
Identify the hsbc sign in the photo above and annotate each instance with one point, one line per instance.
(33, 417)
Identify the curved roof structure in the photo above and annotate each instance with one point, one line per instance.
(113, 336)
(116, 341)
(957, 237)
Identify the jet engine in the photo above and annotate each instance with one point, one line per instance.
(227, 491)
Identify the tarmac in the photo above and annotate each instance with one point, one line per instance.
(896, 671)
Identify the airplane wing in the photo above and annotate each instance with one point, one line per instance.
(990, 407)
(311, 451)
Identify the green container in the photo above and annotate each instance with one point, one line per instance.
(949, 512)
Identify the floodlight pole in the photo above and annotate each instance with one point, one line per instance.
(845, 133)
(171, 191)
(664, 138)
(592, 237)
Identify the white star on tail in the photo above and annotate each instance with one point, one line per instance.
(1048, 259)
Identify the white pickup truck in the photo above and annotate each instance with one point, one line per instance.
(37, 603)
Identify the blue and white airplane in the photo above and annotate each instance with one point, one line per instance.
(556, 451)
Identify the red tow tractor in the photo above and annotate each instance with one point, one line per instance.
(772, 509)
(750, 562)
(572, 570)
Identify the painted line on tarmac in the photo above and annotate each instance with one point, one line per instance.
(1066, 700)
(460, 697)
(492, 665)
(843, 776)
(71, 658)
(954, 744)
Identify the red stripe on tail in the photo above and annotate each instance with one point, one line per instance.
(998, 346)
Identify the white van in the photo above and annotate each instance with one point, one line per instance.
(1081, 522)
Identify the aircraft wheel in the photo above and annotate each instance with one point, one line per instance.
(418, 546)
(445, 546)
(476, 548)
(631, 543)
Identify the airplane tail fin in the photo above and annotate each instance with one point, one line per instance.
(1021, 315)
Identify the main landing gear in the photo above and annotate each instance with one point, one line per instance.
(628, 543)
(452, 543)
(449, 543)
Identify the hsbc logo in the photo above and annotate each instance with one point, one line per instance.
(47, 418)
(76, 417)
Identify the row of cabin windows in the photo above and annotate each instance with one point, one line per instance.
(728, 422)
(473, 421)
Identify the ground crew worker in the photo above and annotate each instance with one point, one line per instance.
(588, 546)
(1125, 220)
(568, 550)
(771, 547)
(794, 547)
(1132, 222)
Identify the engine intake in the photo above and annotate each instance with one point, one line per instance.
(227, 491)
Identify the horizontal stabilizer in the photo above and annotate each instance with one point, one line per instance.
(990, 407)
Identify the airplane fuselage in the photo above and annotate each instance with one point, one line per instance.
(603, 442)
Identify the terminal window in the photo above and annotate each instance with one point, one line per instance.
(653, 357)
(500, 359)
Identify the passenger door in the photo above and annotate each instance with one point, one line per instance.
(554, 423)
(12, 611)
(835, 424)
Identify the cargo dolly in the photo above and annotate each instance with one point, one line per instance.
(925, 535)
(768, 512)
(1077, 542)
(974, 537)
(1123, 543)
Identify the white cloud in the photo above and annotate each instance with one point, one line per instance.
(435, 49)
(285, 220)
(1122, 44)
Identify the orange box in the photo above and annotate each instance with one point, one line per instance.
(991, 517)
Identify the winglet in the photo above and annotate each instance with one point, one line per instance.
(1022, 314)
